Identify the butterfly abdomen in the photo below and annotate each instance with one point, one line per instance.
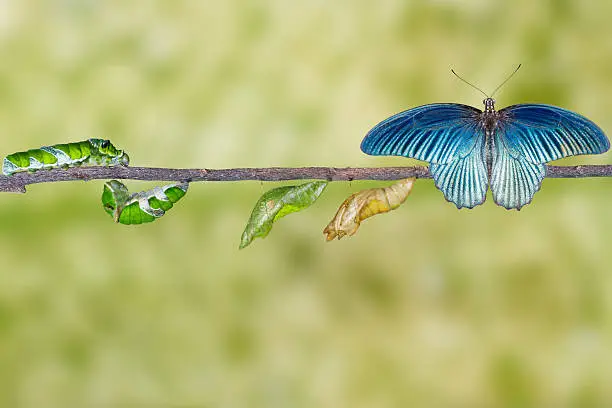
(489, 124)
(489, 145)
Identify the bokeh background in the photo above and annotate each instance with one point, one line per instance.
(427, 306)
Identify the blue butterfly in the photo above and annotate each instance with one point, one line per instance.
(469, 150)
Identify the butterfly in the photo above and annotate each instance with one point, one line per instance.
(470, 150)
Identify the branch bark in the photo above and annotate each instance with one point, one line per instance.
(17, 182)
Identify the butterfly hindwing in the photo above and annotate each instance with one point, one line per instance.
(542, 133)
(437, 133)
(464, 180)
(514, 179)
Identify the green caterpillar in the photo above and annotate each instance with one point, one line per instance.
(92, 152)
(141, 207)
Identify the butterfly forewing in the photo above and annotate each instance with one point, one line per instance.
(542, 133)
(437, 133)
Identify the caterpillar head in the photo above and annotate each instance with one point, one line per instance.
(106, 148)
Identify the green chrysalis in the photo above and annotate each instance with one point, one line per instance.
(277, 203)
(141, 207)
(92, 152)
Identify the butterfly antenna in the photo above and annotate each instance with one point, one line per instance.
(472, 85)
(507, 79)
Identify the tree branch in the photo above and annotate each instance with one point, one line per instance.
(17, 182)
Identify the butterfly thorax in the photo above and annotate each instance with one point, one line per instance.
(489, 117)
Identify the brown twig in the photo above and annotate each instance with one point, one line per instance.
(18, 182)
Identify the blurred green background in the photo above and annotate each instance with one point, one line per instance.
(425, 307)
